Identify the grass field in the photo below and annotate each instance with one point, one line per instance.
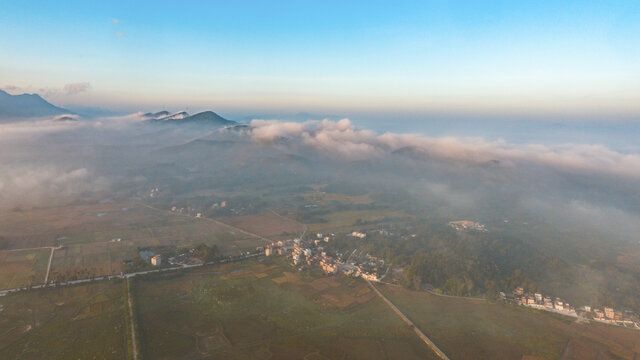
(21, 268)
(346, 219)
(466, 329)
(75, 322)
(263, 311)
(323, 198)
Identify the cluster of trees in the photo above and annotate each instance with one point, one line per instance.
(458, 263)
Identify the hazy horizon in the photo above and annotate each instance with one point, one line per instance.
(573, 61)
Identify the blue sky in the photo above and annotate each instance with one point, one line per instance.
(539, 59)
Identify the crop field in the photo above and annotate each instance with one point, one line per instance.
(267, 224)
(264, 311)
(74, 322)
(481, 330)
(24, 267)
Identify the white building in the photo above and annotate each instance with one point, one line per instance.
(156, 260)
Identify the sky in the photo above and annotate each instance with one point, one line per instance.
(539, 60)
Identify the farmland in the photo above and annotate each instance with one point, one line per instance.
(262, 311)
(267, 224)
(74, 322)
(24, 267)
(96, 239)
(473, 329)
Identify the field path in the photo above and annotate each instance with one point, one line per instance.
(422, 336)
(133, 329)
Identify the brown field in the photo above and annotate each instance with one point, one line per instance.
(267, 224)
(21, 268)
(483, 330)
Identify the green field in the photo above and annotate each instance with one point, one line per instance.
(341, 220)
(466, 329)
(257, 311)
(74, 322)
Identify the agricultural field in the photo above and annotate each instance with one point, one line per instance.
(268, 224)
(72, 223)
(256, 310)
(72, 322)
(23, 267)
(466, 329)
(97, 239)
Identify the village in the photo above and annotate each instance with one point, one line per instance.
(311, 252)
(539, 301)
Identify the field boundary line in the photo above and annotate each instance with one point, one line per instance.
(133, 329)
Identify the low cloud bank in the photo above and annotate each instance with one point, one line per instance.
(343, 139)
(38, 185)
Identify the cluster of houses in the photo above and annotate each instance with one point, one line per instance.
(193, 212)
(539, 301)
(189, 257)
(465, 225)
(309, 252)
(154, 192)
(186, 211)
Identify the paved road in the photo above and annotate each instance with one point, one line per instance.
(124, 276)
(46, 277)
(420, 334)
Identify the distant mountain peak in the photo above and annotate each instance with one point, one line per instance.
(182, 117)
(27, 106)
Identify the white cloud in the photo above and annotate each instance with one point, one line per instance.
(12, 88)
(27, 186)
(76, 88)
(342, 139)
(115, 21)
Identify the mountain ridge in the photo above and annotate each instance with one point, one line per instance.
(182, 117)
(27, 106)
